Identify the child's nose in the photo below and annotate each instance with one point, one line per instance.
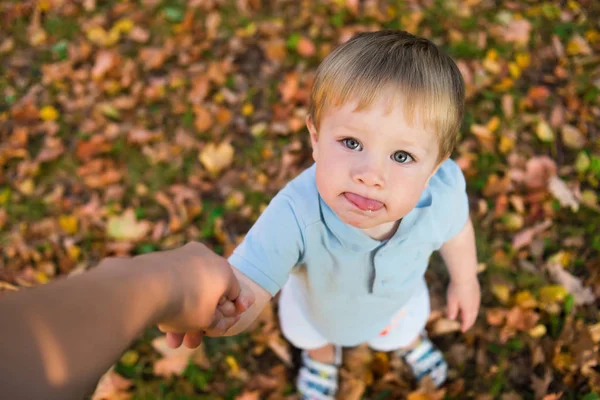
(370, 174)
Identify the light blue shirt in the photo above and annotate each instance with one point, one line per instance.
(354, 284)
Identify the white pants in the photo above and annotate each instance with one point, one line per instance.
(299, 330)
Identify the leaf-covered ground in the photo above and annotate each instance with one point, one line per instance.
(132, 126)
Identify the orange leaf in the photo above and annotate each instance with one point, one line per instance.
(204, 119)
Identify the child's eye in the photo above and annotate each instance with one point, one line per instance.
(352, 144)
(401, 157)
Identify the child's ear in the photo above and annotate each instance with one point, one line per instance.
(314, 136)
(439, 164)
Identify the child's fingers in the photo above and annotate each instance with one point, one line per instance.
(452, 308)
(468, 320)
(245, 299)
(228, 309)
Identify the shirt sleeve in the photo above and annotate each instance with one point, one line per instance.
(454, 212)
(272, 247)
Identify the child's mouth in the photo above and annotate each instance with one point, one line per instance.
(364, 203)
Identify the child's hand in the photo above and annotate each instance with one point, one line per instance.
(464, 296)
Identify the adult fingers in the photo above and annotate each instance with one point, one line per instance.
(174, 340)
(192, 339)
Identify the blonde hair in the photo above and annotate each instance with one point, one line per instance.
(427, 79)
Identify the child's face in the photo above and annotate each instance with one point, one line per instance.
(372, 166)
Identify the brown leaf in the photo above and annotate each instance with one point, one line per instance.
(203, 120)
(138, 34)
(106, 60)
(289, 87)
(582, 295)
(538, 171)
(53, 148)
(112, 386)
(174, 361)
(141, 136)
(254, 395)
(522, 319)
(518, 31)
(525, 237)
(306, 47)
(86, 149)
(444, 326)
(152, 58)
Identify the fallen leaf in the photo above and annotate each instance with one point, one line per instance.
(562, 193)
(174, 361)
(203, 118)
(305, 47)
(517, 31)
(572, 137)
(578, 46)
(48, 113)
(544, 132)
(126, 227)
(522, 319)
(538, 171)
(106, 60)
(525, 237)
(112, 386)
(582, 295)
(444, 326)
(215, 157)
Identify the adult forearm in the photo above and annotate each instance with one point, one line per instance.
(54, 342)
(460, 254)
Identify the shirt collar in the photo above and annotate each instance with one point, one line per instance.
(356, 240)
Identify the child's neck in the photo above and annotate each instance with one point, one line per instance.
(383, 231)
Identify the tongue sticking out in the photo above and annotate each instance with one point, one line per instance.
(363, 203)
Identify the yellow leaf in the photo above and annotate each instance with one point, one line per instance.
(493, 124)
(68, 223)
(215, 158)
(552, 293)
(48, 113)
(97, 35)
(44, 5)
(513, 221)
(562, 257)
(130, 358)
(514, 70)
(26, 187)
(124, 25)
(578, 46)
(506, 144)
(247, 109)
(233, 365)
(537, 331)
(74, 252)
(505, 84)
(525, 299)
(544, 132)
(589, 198)
(41, 277)
(523, 60)
(592, 36)
(501, 291)
(126, 227)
